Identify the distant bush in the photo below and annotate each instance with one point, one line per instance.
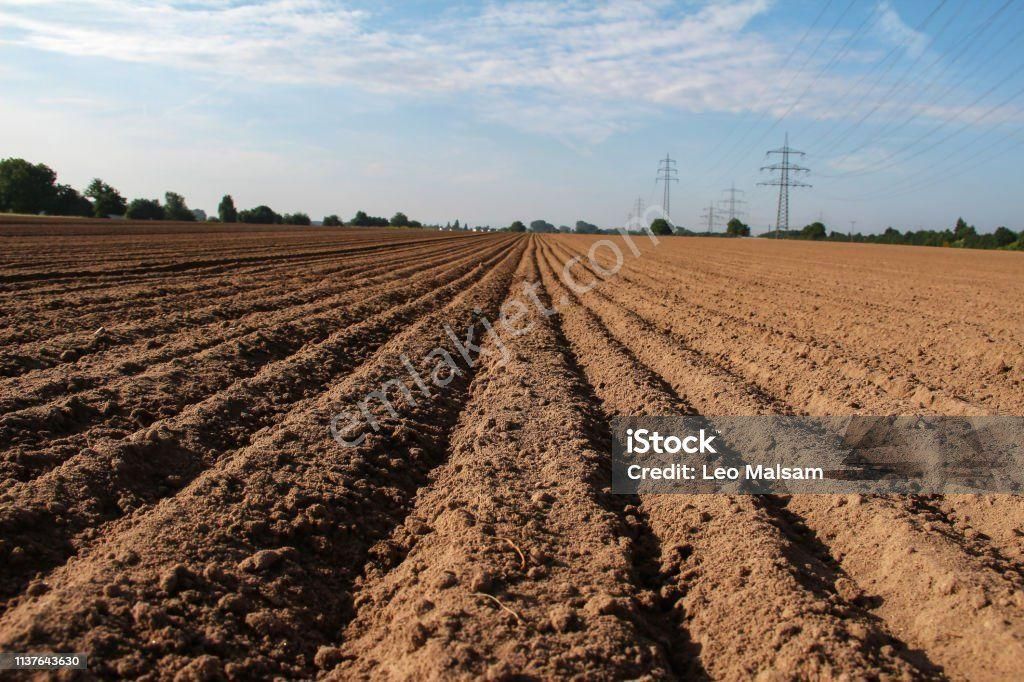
(1004, 236)
(261, 215)
(516, 226)
(106, 201)
(815, 230)
(962, 236)
(296, 219)
(661, 227)
(227, 211)
(68, 201)
(737, 228)
(363, 220)
(175, 208)
(332, 221)
(145, 209)
(26, 187)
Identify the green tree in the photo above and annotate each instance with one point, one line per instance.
(517, 226)
(583, 227)
(660, 226)
(542, 226)
(106, 201)
(815, 230)
(737, 228)
(261, 215)
(69, 202)
(963, 231)
(332, 221)
(296, 219)
(399, 220)
(175, 208)
(1004, 236)
(26, 187)
(227, 211)
(363, 220)
(145, 209)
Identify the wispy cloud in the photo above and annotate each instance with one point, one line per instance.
(898, 32)
(581, 70)
(586, 67)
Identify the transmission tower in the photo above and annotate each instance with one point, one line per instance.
(711, 215)
(732, 206)
(636, 217)
(785, 169)
(667, 174)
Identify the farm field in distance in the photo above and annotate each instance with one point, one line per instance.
(172, 500)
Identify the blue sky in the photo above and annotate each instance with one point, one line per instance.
(489, 112)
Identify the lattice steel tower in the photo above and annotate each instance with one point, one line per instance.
(667, 174)
(712, 216)
(637, 216)
(732, 206)
(784, 181)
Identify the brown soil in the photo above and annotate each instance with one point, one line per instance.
(173, 504)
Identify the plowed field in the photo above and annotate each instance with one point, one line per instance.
(173, 502)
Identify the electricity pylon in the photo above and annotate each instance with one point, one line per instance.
(667, 174)
(711, 216)
(784, 180)
(733, 207)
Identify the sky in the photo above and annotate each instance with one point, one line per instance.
(909, 112)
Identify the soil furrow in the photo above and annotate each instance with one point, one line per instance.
(926, 587)
(74, 349)
(178, 265)
(251, 565)
(493, 574)
(47, 319)
(865, 582)
(860, 360)
(752, 600)
(115, 477)
(687, 369)
(165, 388)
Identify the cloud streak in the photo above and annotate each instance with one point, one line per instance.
(581, 70)
(540, 66)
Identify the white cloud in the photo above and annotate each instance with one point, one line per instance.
(580, 70)
(541, 66)
(897, 31)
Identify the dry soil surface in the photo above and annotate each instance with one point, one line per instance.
(173, 503)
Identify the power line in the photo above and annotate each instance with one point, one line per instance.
(970, 40)
(785, 65)
(887, 96)
(943, 174)
(667, 174)
(785, 169)
(843, 50)
(942, 125)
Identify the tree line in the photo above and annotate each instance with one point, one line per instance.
(32, 189)
(961, 236)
